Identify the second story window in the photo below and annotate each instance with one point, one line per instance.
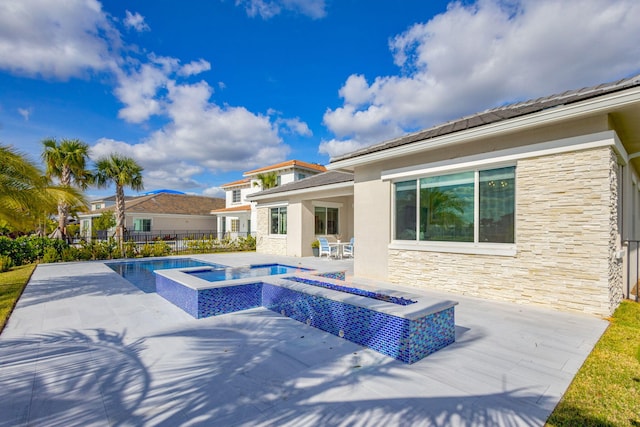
(235, 196)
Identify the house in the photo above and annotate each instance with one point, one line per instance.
(238, 217)
(105, 202)
(527, 203)
(292, 216)
(159, 213)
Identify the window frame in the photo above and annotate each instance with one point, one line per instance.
(281, 210)
(236, 196)
(475, 247)
(142, 221)
(326, 221)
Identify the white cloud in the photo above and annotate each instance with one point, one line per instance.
(135, 21)
(199, 136)
(138, 91)
(194, 67)
(294, 126)
(56, 39)
(481, 55)
(213, 192)
(25, 113)
(269, 8)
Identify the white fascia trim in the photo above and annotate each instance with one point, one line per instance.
(339, 186)
(494, 249)
(322, 204)
(545, 117)
(277, 204)
(510, 156)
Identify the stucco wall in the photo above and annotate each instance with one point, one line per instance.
(566, 236)
(174, 222)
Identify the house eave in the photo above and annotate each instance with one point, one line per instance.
(284, 194)
(599, 105)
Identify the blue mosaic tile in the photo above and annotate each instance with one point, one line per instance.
(338, 275)
(182, 296)
(354, 291)
(216, 301)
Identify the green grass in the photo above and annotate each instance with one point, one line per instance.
(606, 390)
(12, 284)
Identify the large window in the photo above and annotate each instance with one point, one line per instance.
(235, 196)
(279, 220)
(235, 225)
(474, 206)
(141, 224)
(326, 220)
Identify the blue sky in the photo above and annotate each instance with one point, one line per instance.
(200, 91)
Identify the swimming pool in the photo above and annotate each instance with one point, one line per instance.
(258, 270)
(140, 273)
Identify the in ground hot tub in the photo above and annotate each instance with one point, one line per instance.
(404, 325)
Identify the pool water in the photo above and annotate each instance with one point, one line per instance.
(220, 274)
(140, 273)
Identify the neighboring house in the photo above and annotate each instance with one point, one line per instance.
(105, 202)
(160, 212)
(238, 217)
(527, 203)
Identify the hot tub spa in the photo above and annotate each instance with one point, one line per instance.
(405, 326)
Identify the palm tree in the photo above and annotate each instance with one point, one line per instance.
(25, 193)
(123, 172)
(67, 162)
(266, 180)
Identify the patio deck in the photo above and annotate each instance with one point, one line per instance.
(85, 347)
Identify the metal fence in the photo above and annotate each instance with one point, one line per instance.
(633, 269)
(199, 241)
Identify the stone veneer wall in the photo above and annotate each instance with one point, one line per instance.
(266, 244)
(566, 234)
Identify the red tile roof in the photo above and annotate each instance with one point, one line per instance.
(288, 164)
(242, 208)
(242, 181)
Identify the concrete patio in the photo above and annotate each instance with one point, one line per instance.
(84, 347)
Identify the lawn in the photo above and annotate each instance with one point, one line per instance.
(606, 390)
(12, 283)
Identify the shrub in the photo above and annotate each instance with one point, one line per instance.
(107, 249)
(161, 248)
(50, 255)
(6, 263)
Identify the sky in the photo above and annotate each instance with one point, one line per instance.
(199, 92)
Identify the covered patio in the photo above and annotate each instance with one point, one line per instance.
(318, 206)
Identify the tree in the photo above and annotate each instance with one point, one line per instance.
(105, 221)
(267, 180)
(67, 162)
(25, 192)
(123, 172)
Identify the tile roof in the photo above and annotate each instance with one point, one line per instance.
(241, 208)
(496, 115)
(288, 164)
(322, 179)
(165, 203)
(243, 181)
